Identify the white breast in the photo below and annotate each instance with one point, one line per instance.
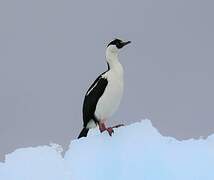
(110, 100)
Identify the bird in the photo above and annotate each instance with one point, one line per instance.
(103, 97)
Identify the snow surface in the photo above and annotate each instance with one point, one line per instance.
(137, 151)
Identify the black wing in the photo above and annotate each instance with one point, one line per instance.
(91, 98)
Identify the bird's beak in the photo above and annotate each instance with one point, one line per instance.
(125, 43)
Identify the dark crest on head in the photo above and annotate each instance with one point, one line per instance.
(117, 42)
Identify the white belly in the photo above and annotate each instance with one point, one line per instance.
(110, 100)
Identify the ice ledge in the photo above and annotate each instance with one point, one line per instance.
(136, 151)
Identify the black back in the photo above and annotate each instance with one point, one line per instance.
(92, 96)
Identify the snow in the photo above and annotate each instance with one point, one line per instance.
(137, 151)
(34, 164)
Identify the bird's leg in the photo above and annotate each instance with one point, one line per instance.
(102, 128)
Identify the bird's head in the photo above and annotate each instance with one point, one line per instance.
(116, 44)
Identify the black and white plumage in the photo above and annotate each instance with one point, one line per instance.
(104, 95)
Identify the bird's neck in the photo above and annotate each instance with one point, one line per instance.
(113, 62)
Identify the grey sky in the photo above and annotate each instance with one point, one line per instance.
(51, 51)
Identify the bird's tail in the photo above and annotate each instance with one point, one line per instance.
(83, 133)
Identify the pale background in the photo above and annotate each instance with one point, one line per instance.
(51, 51)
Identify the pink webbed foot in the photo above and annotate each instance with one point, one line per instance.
(103, 128)
(110, 131)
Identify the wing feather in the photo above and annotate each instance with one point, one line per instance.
(92, 96)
